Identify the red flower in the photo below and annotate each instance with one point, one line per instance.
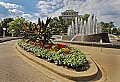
(42, 46)
(33, 43)
(49, 46)
(41, 43)
(28, 42)
(60, 46)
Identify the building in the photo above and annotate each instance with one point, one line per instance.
(69, 14)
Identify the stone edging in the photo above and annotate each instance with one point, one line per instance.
(72, 75)
(106, 45)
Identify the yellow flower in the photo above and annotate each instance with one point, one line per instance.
(66, 50)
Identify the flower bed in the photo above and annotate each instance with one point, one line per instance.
(59, 54)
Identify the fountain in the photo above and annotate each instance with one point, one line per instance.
(69, 31)
(86, 30)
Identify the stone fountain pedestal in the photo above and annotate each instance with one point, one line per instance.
(88, 38)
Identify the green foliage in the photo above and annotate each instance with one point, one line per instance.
(118, 30)
(106, 27)
(16, 25)
(86, 16)
(114, 31)
(58, 26)
(4, 23)
(37, 32)
(68, 22)
(74, 59)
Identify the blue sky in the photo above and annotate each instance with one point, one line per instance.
(105, 10)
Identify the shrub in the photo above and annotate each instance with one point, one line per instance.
(63, 55)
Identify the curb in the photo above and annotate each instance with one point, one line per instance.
(8, 39)
(105, 45)
(102, 76)
(88, 75)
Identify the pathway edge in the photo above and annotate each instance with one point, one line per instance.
(84, 76)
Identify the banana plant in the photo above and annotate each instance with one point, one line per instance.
(38, 32)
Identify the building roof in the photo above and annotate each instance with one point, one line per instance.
(69, 11)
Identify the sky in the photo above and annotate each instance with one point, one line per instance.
(105, 10)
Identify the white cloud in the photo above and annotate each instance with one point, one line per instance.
(12, 10)
(15, 12)
(27, 15)
(9, 5)
(56, 1)
(49, 7)
(34, 20)
(109, 9)
(37, 14)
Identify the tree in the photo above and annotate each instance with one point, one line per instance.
(86, 16)
(114, 31)
(68, 22)
(58, 25)
(54, 25)
(106, 27)
(4, 24)
(16, 25)
(61, 25)
(118, 30)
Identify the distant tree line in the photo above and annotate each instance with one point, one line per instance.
(56, 24)
(11, 24)
(4, 24)
(110, 28)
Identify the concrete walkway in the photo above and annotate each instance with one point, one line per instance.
(14, 69)
(108, 58)
(8, 39)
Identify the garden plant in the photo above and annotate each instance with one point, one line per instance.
(37, 39)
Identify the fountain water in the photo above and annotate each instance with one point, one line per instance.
(69, 31)
(82, 28)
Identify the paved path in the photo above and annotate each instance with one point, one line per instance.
(108, 58)
(14, 69)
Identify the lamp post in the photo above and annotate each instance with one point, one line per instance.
(4, 29)
(12, 32)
